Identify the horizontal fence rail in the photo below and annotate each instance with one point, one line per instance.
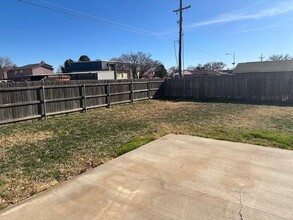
(33, 100)
(275, 88)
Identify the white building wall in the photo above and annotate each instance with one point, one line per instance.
(106, 75)
(122, 75)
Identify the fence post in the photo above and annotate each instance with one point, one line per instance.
(162, 88)
(131, 91)
(43, 102)
(83, 95)
(149, 88)
(109, 95)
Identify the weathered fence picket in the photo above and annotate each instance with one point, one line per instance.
(25, 101)
(275, 88)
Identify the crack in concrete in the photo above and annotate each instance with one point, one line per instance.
(240, 199)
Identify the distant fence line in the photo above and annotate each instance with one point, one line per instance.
(275, 88)
(32, 100)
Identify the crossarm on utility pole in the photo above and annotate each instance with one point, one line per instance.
(180, 11)
(185, 8)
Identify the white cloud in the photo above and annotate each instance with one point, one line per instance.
(258, 29)
(282, 8)
(276, 25)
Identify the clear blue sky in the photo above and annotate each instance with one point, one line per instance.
(103, 29)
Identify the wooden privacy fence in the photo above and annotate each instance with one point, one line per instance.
(39, 100)
(261, 88)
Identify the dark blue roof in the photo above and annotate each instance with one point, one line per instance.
(85, 66)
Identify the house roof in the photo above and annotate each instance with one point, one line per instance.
(101, 61)
(92, 61)
(33, 66)
(200, 72)
(85, 66)
(264, 67)
(98, 65)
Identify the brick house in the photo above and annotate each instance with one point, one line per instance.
(28, 72)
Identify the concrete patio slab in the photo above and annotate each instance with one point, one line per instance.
(175, 177)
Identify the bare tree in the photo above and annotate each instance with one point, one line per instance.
(208, 66)
(191, 68)
(214, 66)
(278, 57)
(5, 64)
(198, 67)
(173, 69)
(139, 63)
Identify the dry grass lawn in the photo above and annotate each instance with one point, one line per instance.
(40, 154)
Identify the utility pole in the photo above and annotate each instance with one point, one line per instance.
(180, 11)
(261, 58)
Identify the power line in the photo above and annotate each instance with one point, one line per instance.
(48, 8)
(175, 52)
(86, 14)
(131, 28)
(81, 15)
(206, 52)
(183, 51)
(119, 10)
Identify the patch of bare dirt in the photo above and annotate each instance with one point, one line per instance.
(16, 191)
(24, 138)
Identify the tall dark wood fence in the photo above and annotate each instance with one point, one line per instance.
(261, 88)
(32, 100)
